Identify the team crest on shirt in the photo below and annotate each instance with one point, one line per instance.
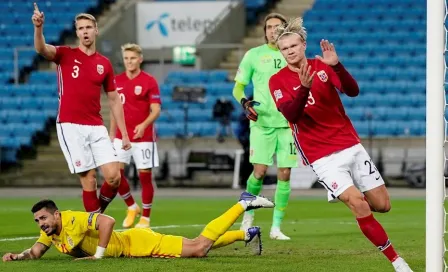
(100, 69)
(138, 90)
(322, 76)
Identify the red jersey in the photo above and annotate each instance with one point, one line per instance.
(80, 78)
(318, 122)
(137, 95)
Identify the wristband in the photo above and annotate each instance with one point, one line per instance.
(99, 252)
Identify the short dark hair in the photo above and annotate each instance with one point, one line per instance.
(271, 16)
(48, 204)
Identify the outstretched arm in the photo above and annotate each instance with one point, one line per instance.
(35, 252)
(46, 50)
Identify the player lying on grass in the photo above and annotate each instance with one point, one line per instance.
(306, 94)
(91, 235)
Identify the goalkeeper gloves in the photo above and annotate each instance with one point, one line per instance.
(248, 106)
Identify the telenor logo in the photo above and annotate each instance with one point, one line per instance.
(162, 27)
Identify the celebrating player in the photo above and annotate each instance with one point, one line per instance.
(140, 96)
(269, 130)
(306, 94)
(81, 133)
(91, 235)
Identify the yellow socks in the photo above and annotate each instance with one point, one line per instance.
(229, 237)
(220, 225)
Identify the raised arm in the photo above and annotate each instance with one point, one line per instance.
(341, 78)
(35, 252)
(48, 51)
(346, 84)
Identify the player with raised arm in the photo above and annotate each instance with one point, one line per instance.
(306, 93)
(84, 140)
(91, 235)
(140, 96)
(269, 130)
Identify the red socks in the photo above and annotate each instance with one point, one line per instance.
(373, 230)
(107, 194)
(125, 191)
(90, 200)
(147, 192)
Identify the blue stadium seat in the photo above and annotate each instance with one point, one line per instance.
(218, 76)
(417, 114)
(398, 114)
(36, 116)
(200, 115)
(356, 113)
(384, 129)
(169, 129)
(361, 128)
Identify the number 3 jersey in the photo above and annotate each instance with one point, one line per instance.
(137, 95)
(258, 65)
(80, 78)
(323, 128)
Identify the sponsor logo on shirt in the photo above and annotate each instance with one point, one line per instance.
(278, 94)
(100, 69)
(266, 59)
(322, 76)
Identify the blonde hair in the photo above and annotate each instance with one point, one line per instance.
(132, 47)
(86, 16)
(294, 26)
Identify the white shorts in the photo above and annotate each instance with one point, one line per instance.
(85, 147)
(144, 153)
(351, 166)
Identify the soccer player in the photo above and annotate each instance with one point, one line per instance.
(306, 93)
(81, 133)
(91, 235)
(269, 130)
(140, 96)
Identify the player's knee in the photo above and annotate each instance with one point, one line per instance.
(260, 171)
(383, 207)
(284, 173)
(358, 205)
(113, 180)
(88, 180)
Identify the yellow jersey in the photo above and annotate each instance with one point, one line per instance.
(79, 237)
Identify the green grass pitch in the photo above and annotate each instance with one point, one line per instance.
(325, 237)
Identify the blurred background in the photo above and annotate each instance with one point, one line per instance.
(193, 48)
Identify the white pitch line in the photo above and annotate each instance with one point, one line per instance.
(304, 222)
